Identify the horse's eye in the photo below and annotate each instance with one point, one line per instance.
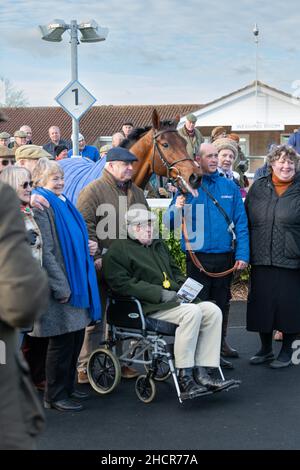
(165, 144)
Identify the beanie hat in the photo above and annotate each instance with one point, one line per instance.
(224, 143)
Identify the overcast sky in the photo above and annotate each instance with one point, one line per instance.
(156, 52)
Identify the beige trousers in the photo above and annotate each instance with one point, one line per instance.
(198, 335)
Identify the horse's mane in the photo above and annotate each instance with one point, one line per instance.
(138, 132)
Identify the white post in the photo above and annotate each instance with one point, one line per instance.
(74, 68)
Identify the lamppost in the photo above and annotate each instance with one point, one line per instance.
(90, 32)
(256, 33)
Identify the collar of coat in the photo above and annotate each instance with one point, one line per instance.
(107, 177)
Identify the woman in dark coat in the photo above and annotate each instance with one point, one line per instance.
(273, 208)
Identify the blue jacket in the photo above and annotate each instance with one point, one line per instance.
(89, 151)
(294, 141)
(211, 235)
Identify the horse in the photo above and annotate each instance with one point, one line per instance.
(159, 149)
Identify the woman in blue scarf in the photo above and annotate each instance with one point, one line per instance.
(74, 297)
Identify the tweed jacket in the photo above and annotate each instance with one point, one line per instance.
(102, 195)
(192, 143)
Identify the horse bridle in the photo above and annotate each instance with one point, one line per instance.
(168, 166)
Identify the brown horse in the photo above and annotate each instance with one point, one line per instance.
(162, 150)
(159, 149)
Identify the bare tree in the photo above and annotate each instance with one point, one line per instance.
(10, 96)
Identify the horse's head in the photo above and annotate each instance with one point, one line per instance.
(170, 157)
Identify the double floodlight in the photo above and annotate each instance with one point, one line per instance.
(90, 31)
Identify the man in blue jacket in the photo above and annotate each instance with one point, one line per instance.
(88, 151)
(210, 237)
(294, 140)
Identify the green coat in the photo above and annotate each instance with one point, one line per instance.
(131, 269)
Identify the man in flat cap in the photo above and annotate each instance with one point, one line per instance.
(87, 151)
(103, 204)
(20, 139)
(28, 132)
(152, 276)
(4, 138)
(7, 157)
(191, 135)
(29, 155)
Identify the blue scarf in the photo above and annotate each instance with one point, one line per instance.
(73, 237)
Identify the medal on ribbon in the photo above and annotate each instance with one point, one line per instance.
(166, 283)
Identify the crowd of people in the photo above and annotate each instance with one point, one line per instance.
(78, 252)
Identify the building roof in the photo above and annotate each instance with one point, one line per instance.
(98, 121)
(248, 87)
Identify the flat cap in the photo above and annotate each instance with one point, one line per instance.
(20, 134)
(191, 117)
(31, 152)
(139, 215)
(4, 135)
(5, 152)
(120, 154)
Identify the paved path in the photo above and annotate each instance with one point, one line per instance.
(263, 414)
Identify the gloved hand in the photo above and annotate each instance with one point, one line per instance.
(168, 295)
(31, 237)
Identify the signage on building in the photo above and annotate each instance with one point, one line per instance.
(257, 126)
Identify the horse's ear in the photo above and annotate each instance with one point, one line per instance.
(177, 119)
(155, 120)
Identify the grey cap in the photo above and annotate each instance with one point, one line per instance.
(191, 117)
(20, 134)
(4, 135)
(120, 154)
(139, 215)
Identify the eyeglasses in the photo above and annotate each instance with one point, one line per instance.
(26, 184)
(7, 162)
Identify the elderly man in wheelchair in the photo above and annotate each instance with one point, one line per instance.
(141, 267)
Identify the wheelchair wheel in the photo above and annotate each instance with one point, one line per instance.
(163, 369)
(104, 371)
(145, 388)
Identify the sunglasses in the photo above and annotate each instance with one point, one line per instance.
(7, 162)
(26, 184)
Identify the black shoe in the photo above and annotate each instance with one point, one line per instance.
(63, 405)
(278, 364)
(214, 385)
(188, 387)
(227, 350)
(79, 395)
(261, 358)
(225, 364)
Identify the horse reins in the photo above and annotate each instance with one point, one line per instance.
(194, 258)
(172, 166)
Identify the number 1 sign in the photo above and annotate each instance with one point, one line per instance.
(75, 99)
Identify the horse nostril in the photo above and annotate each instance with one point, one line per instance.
(195, 180)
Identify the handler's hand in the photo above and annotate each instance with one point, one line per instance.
(240, 265)
(180, 201)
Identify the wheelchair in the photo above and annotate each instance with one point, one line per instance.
(148, 346)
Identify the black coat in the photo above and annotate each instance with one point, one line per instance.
(274, 224)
